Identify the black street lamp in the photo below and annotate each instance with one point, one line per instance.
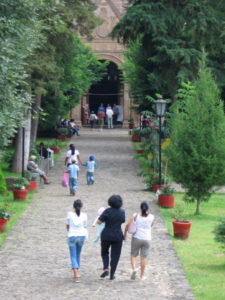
(160, 107)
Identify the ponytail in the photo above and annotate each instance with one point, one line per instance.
(144, 208)
(72, 148)
(77, 206)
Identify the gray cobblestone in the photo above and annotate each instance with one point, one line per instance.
(35, 261)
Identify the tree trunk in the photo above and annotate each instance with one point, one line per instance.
(17, 158)
(198, 207)
(20, 162)
(34, 122)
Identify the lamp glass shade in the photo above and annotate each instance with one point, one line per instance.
(160, 106)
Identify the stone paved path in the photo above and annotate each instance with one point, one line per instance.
(35, 261)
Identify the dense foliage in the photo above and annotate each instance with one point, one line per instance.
(196, 153)
(220, 232)
(19, 36)
(39, 57)
(165, 40)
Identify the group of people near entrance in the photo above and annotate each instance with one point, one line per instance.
(112, 236)
(104, 115)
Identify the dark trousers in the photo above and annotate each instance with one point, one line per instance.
(115, 254)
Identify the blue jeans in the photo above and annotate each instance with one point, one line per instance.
(75, 245)
(90, 177)
(73, 184)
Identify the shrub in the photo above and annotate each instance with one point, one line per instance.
(4, 214)
(220, 232)
(20, 183)
(167, 190)
(3, 187)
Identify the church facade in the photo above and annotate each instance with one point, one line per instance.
(111, 90)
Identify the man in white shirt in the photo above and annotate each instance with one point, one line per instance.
(109, 113)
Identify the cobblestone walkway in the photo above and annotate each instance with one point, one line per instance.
(35, 261)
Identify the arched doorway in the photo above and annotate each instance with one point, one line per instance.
(108, 91)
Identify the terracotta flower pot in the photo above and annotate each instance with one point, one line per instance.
(181, 229)
(32, 186)
(20, 194)
(140, 151)
(155, 187)
(166, 200)
(3, 223)
(56, 150)
(136, 138)
(131, 125)
(62, 137)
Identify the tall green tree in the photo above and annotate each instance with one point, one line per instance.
(19, 37)
(169, 38)
(196, 153)
(81, 69)
(49, 65)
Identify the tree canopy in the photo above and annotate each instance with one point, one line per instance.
(165, 41)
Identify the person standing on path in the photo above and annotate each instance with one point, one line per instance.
(93, 119)
(76, 225)
(73, 177)
(109, 113)
(72, 153)
(112, 235)
(141, 239)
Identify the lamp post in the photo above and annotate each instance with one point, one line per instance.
(160, 107)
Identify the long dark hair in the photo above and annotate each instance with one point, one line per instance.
(77, 206)
(72, 148)
(144, 208)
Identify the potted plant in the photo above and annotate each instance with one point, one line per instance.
(19, 190)
(136, 135)
(4, 217)
(31, 177)
(181, 226)
(63, 132)
(131, 123)
(156, 185)
(55, 148)
(166, 197)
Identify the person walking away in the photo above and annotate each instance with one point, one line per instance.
(112, 235)
(73, 177)
(72, 153)
(76, 225)
(33, 167)
(109, 113)
(93, 119)
(91, 165)
(141, 239)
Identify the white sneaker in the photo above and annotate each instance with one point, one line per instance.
(143, 278)
(133, 274)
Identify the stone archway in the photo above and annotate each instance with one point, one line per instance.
(110, 11)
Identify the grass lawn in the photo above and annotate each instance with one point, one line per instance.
(16, 208)
(203, 259)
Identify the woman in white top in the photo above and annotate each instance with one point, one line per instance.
(141, 239)
(72, 153)
(76, 224)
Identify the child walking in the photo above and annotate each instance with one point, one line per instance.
(91, 165)
(73, 175)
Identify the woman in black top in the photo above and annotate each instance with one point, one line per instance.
(112, 235)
